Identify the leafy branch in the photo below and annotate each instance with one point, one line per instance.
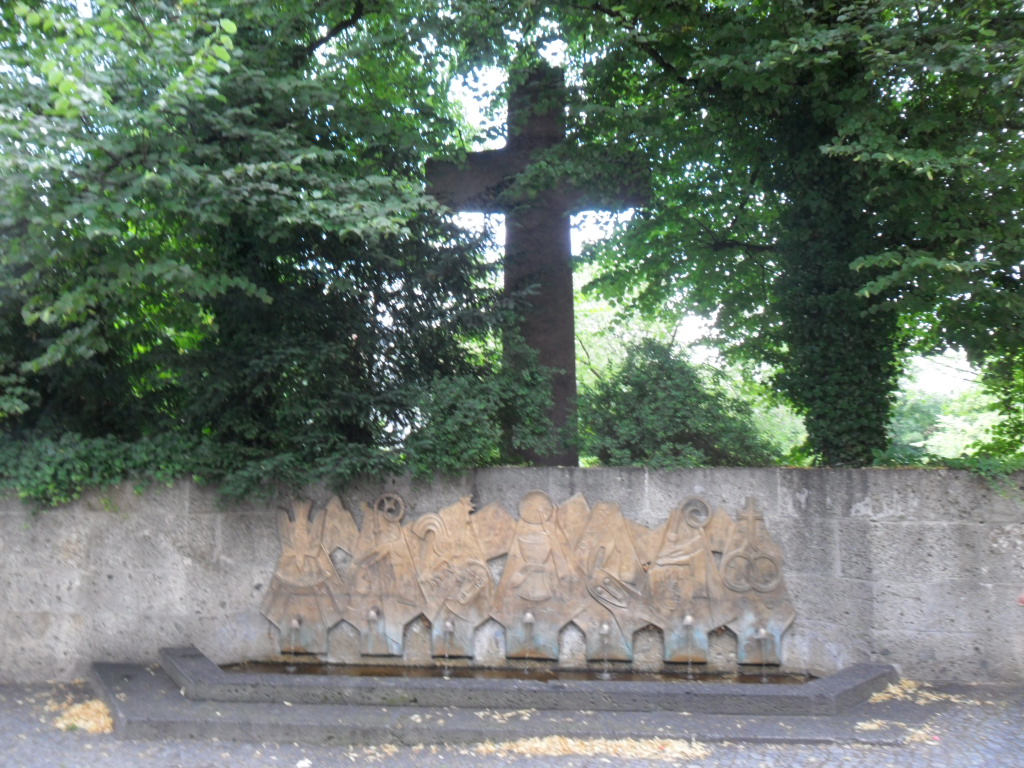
(358, 12)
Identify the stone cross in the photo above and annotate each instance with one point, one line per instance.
(538, 251)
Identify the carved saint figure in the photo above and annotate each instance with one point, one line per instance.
(616, 582)
(541, 588)
(453, 574)
(686, 588)
(385, 594)
(306, 595)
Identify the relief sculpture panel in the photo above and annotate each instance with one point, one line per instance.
(451, 564)
(384, 589)
(617, 585)
(306, 596)
(688, 593)
(541, 586)
(535, 573)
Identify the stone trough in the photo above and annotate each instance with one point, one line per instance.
(188, 696)
(200, 679)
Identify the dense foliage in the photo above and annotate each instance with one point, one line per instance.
(217, 256)
(658, 410)
(836, 183)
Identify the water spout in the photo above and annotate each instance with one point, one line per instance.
(761, 636)
(688, 628)
(605, 630)
(449, 633)
(528, 622)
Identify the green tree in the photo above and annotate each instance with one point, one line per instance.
(216, 247)
(658, 410)
(942, 412)
(1003, 378)
(827, 174)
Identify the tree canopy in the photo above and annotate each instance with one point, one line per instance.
(837, 182)
(217, 256)
(215, 236)
(658, 410)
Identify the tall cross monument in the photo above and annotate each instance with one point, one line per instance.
(538, 251)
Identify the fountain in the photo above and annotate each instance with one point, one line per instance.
(698, 583)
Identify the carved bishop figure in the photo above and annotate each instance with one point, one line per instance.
(384, 593)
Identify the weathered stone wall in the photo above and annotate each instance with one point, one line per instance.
(917, 568)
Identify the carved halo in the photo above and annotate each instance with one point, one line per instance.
(390, 506)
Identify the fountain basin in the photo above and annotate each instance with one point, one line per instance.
(200, 679)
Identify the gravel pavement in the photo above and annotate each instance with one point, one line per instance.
(985, 729)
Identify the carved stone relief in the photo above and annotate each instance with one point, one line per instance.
(384, 591)
(541, 587)
(752, 571)
(572, 563)
(306, 595)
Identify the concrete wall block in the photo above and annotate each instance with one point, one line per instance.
(824, 492)
(421, 495)
(843, 602)
(507, 485)
(949, 606)
(24, 630)
(625, 486)
(821, 647)
(247, 540)
(854, 555)
(8, 665)
(13, 506)
(942, 496)
(808, 544)
(226, 591)
(43, 645)
(29, 540)
(926, 552)
(887, 495)
(135, 638)
(1003, 553)
(150, 539)
(941, 656)
(1003, 500)
(798, 494)
(910, 497)
(54, 588)
(1005, 643)
(135, 591)
(128, 498)
(233, 637)
(203, 500)
(720, 487)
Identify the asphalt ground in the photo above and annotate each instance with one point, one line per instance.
(972, 725)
